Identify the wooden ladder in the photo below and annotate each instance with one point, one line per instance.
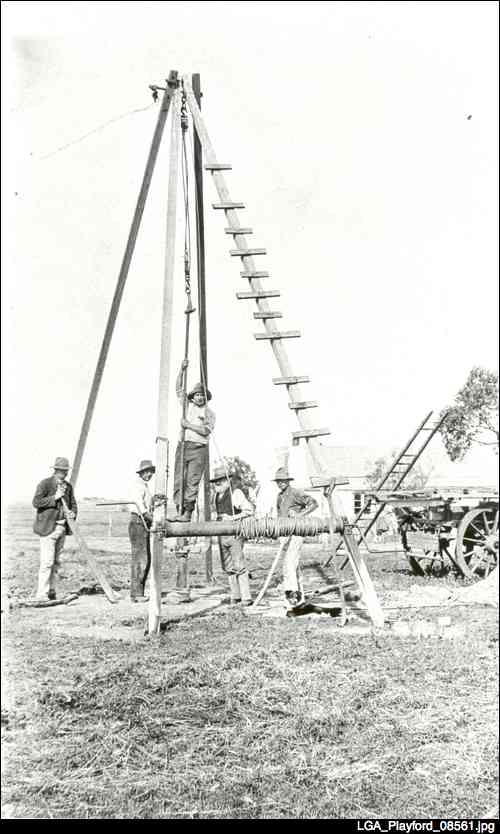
(276, 337)
(399, 469)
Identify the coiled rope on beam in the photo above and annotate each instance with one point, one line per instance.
(270, 527)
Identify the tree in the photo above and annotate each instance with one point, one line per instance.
(473, 417)
(240, 471)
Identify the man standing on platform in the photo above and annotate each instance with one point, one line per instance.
(196, 428)
(231, 502)
(292, 503)
(51, 525)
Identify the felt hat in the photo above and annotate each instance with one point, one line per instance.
(199, 389)
(282, 475)
(219, 474)
(145, 465)
(62, 463)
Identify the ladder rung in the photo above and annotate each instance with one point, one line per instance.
(246, 253)
(297, 435)
(283, 334)
(240, 231)
(290, 380)
(268, 315)
(249, 274)
(218, 166)
(226, 206)
(259, 294)
(306, 404)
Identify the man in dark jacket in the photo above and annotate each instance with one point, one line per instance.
(50, 524)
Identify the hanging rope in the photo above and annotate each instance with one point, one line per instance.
(187, 284)
(213, 436)
(185, 187)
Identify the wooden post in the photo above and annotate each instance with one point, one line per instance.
(202, 306)
(124, 269)
(164, 384)
(97, 571)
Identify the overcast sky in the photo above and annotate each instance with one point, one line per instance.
(364, 143)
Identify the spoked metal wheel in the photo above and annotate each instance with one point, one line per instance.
(477, 542)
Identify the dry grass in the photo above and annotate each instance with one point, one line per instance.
(237, 717)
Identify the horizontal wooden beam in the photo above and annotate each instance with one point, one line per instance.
(290, 380)
(298, 435)
(227, 206)
(271, 314)
(319, 481)
(232, 527)
(259, 294)
(238, 231)
(246, 253)
(247, 273)
(284, 334)
(218, 166)
(300, 406)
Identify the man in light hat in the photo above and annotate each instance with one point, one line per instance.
(141, 518)
(51, 525)
(292, 503)
(230, 503)
(196, 429)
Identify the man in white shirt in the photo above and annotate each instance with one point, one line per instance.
(228, 504)
(197, 427)
(138, 530)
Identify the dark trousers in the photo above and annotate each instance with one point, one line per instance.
(195, 462)
(141, 556)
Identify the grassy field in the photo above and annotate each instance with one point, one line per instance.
(242, 717)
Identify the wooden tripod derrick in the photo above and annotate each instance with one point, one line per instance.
(276, 338)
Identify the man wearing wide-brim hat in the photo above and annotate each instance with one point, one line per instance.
(51, 525)
(141, 518)
(230, 502)
(292, 502)
(196, 429)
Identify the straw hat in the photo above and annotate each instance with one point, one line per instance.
(62, 463)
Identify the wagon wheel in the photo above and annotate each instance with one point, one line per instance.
(477, 542)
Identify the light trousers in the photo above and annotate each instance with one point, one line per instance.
(51, 547)
(292, 580)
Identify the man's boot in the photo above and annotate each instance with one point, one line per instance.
(234, 589)
(246, 597)
(188, 512)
